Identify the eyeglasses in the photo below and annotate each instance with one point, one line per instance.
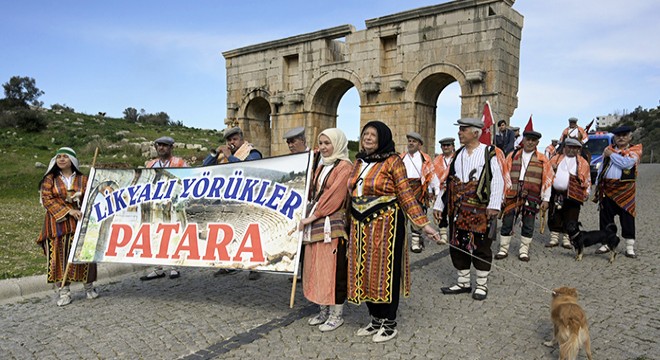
(443, 145)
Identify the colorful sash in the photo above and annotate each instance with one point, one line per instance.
(622, 193)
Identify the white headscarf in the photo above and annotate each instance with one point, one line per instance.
(68, 152)
(340, 144)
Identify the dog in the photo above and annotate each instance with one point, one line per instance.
(581, 239)
(571, 330)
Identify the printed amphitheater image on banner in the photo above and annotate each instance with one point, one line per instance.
(239, 215)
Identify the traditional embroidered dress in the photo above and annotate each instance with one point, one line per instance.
(378, 230)
(59, 228)
(616, 187)
(324, 263)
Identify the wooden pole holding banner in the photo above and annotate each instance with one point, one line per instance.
(68, 264)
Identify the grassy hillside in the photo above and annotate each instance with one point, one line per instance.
(21, 216)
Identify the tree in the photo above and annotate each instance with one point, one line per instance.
(131, 114)
(23, 90)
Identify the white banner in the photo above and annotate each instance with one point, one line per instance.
(236, 215)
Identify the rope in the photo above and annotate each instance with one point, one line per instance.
(503, 269)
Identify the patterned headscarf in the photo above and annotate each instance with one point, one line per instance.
(386, 147)
(340, 144)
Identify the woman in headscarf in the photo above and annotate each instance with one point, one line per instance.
(62, 191)
(325, 234)
(378, 267)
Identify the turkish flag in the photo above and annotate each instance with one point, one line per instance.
(487, 130)
(530, 125)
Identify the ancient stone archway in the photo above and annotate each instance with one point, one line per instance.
(399, 64)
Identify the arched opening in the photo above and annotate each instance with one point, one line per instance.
(448, 111)
(256, 122)
(435, 124)
(336, 104)
(348, 116)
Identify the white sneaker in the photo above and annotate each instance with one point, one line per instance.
(331, 324)
(65, 299)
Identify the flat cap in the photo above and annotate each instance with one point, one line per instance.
(554, 140)
(514, 128)
(572, 142)
(415, 136)
(232, 131)
(164, 140)
(572, 119)
(447, 141)
(299, 131)
(532, 134)
(622, 130)
(471, 122)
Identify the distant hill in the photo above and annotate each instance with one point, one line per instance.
(119, 142)
(646, 123)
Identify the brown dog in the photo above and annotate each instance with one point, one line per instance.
(571, 330)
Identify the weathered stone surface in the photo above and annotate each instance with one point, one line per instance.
(399, 64)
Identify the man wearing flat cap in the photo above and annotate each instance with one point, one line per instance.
(164, 146)
(551, 149)
(421, 178)
(475, 186)
(531, 182)
(235, 149)
(441, 165)
(570, 189)
(574, 131)
(616, 186)
(517, 139)
(295, 140)
(504, 138)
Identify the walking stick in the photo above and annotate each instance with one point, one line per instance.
(542, 218)
(68, 264)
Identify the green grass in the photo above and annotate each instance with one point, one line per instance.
(21, 215)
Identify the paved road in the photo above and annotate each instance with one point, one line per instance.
(199, 316)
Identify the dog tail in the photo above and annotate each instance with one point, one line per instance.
(611, 227)
(571, 348)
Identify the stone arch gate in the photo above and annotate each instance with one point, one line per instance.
(399, 64)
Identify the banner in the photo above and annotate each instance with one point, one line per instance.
(236, 215)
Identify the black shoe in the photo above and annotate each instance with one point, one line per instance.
(460, 290)
(629, 255)
(254, 275)
(152, 276)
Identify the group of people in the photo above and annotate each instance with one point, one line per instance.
(355, 233)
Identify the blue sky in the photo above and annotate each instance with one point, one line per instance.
(578, 58)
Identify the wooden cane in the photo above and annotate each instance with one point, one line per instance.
(68, 264)
(543, 215)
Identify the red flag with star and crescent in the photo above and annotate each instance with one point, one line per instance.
(487, 131)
